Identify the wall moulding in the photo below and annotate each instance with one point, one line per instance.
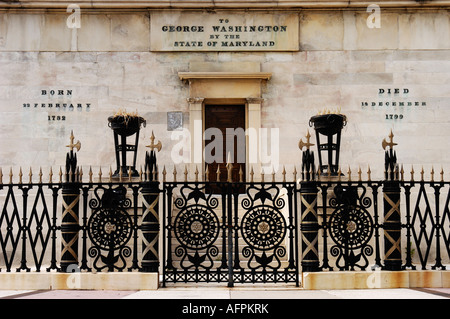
(224, 84)
(161, 4)
(224, 75)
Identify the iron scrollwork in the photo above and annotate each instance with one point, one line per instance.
(263, 228)
(110, 228)
(351, 227)
(196, 228)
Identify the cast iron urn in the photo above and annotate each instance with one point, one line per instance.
(329, 125)
(125, 126)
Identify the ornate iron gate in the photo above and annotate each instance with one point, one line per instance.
(230, 237)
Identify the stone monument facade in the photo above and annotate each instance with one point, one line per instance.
(69, 66)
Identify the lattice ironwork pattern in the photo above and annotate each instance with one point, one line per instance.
(427, 224)
(28, 226)
(228, 236)
(97, 228)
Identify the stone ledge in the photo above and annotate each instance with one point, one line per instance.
(224, 75)
(162, 4)
(376, 279)
(88, 281)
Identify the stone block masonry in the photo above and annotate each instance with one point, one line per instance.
(339, 63)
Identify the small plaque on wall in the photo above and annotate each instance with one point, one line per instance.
(174, 121)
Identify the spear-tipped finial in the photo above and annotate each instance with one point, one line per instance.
(152, 144)
(90, 174)
(218, 173)
(50, 175)
(60, 174)
(140, 174)
(20, 175)
(71, 145)
(229, 168)
(164, 173)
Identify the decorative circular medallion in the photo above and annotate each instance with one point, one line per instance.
(110, 228)
(351, 228)
(263, 227)
(196, 227)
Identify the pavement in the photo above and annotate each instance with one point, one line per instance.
(222, 302)
(237, 293)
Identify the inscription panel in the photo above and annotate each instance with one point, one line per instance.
(224, 32)
(55, 101)
(394, 103)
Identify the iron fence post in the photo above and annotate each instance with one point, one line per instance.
(70, 225)
(230, 234)
(150, 227)
(392, 226)
(309, 226)
(391, 203)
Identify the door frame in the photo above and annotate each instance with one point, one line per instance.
(224, 88)
(225, 102)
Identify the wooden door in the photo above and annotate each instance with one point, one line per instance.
(225, 117)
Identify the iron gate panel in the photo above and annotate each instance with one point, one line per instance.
(230, 237)
(351, 226)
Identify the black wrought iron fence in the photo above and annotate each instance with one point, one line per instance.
(330, 224)
(92, 225)
(29, 225)
(227, 232)
(368, 229)
(426, 223)
(392, 224)
(347, 228)
(238, 233)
